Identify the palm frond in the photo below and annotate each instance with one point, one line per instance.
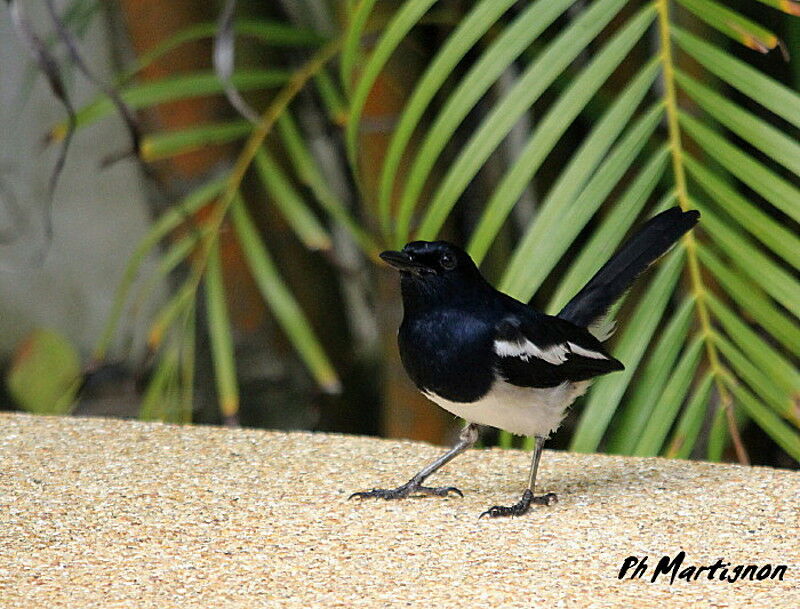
(700, 332)
(654, 115)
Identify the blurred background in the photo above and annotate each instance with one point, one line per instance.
(193, 196)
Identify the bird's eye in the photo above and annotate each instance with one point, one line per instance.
(447, 261)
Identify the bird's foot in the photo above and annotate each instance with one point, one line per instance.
(522, 506)
(408, 489)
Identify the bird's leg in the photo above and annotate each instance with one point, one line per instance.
(528, 498)
(468, 437)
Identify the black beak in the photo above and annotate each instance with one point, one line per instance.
(401, 261)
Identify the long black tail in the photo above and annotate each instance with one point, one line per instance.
(645, 247)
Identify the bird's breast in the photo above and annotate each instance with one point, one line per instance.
(448, 353)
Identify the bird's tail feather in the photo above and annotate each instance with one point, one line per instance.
(652, 241)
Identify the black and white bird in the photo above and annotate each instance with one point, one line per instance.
(492, 360)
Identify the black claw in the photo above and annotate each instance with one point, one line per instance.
(410, 488)
(521, 507)
(452, 489)
(548, 499)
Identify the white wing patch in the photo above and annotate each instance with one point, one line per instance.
(603, 328)
(554, 354)
(578, 350)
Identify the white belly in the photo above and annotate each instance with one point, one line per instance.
(527, 411)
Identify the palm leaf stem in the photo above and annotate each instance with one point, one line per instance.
(696, 281)
(260, 132)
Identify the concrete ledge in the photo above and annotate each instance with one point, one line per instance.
(102, 513)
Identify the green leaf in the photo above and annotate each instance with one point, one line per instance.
(352, 41)
(669, 403)
(769, 93)
(272, 33)
(760, 353)
(553, 126)
(564, 213)
(307, 170)
(176, 253)
(331, 97)
(290, 203)
(504, 115)
(777, 282)
(45, 373)
(609, 234)
(787, 6)
(180, 141)
(760, 309)
(758, 133)
(509, 44)
(768, 391)
(784, 436)
(505, 439)
(403, 20)
(178, 304)
(691, 421)
(472, 27)
(652, 380)
(733, 25)
(513, 40)
(718, 435)
(157, 401)
(171, 88)
(168, 222)
(768, 184)
(219, 332)
(775, 236)
(188, 349)
(280, 300)
(630, 348)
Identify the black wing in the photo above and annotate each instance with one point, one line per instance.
(544, 351)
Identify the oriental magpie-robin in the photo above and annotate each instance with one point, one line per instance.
(493, 360)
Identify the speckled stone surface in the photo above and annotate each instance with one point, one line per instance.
(101, 513)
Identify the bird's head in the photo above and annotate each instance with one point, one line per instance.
(434, 270)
